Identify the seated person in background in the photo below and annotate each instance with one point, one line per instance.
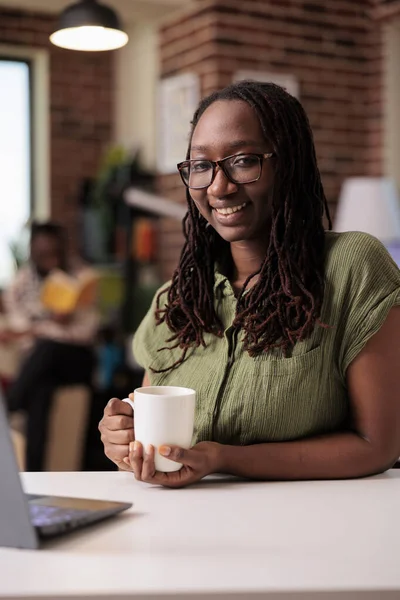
(288, 333)
(58, 347)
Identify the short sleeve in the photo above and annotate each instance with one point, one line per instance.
(373, 288)
(150, 337)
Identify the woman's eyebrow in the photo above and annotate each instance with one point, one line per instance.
(232, 145)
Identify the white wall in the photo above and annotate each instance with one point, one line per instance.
(137, 71)
(392, 101)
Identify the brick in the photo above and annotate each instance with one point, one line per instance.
(187, 43)
(385, 10)
(191, 27)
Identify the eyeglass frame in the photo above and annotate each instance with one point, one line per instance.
(220, 164)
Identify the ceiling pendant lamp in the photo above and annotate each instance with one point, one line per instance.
(89, 26)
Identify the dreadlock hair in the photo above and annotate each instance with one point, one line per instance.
(284, 305)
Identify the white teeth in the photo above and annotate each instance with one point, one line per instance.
(230, 210)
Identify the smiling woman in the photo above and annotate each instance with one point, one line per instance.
(288, 333)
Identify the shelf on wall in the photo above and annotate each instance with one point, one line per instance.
(156, 205)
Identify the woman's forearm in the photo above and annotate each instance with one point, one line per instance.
(334, 456)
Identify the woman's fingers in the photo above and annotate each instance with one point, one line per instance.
(122, 437)
(148, 467)
(136, 459)
(123, 465)
(116, 452)
(116, 407)
(116, 422)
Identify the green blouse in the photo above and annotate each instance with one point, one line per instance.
(243, 400)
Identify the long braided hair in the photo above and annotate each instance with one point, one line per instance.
(284, 305)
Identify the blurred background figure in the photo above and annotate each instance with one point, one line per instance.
(57, 346)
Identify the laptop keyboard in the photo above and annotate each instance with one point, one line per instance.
(42, 515)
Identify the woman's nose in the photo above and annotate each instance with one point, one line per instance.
(221, 186)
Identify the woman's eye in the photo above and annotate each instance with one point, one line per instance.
(245, 161)
(198, 167)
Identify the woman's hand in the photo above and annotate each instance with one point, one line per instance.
(199, 461)
(116, 428)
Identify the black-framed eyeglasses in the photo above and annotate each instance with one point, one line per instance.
(199, 173)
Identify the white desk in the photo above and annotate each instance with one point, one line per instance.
(218, 540)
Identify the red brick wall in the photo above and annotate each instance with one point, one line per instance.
(333, 47)
(81, 109)
(385, 9)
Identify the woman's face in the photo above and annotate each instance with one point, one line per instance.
(46, 253)
(231, 127)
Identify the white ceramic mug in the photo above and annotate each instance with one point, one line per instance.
(164, 415)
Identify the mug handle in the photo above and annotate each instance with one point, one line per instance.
(129, 401)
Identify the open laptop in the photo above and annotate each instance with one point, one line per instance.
(26, 519)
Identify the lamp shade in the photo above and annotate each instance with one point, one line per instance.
(369, 204)
(89, 26)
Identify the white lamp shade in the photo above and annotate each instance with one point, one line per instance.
(89, 38)
(89, 25)
(369, 204)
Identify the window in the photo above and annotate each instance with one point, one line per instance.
(15, 158)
